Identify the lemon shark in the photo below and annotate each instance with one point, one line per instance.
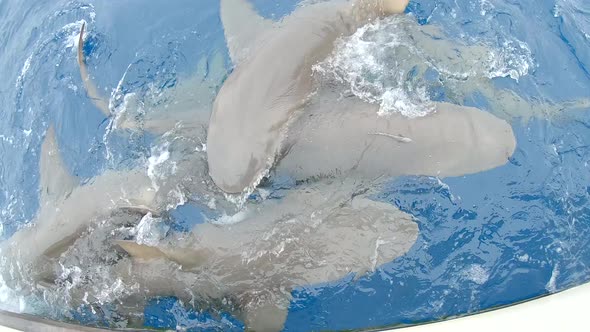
(270, 108)
(272, 80)
(452, 141)
(67, 207)
(317, 233)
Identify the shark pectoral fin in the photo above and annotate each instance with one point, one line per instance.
(187, 258)
(267, 315)
(61, 246)
(243, 28)
(55, 180)
(140, 251)
(91, 89)
(398, 233)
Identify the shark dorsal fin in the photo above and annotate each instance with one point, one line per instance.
(243, 28)
(55, 180)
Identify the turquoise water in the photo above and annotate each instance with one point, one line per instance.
(488, 239)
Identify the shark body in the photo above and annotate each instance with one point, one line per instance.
(272, 80)
(66, 208)
(315, 234)
(265, 116)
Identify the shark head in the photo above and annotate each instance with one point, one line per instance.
(272, 81)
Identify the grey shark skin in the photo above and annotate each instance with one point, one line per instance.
(272, 80)
(317, 233)
(67, 208)
(453, 141)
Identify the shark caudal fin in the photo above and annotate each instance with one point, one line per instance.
(187, 258)
(91, 89)
(243, 28)
(55, 181)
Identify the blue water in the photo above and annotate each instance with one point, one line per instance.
(488, 239)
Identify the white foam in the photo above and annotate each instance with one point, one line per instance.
(72, 275)
(477, 274)
(376, 63)
(150, 231)
(10, 300)
(116, 290)
(514, 59)
(363, 63)
(73, 34)
(232, 219)
(176, 198)
(157, 166)
(396, 99)
(551, 285)
(485, 6)
(23, 71)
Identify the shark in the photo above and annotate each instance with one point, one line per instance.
(452, 141)
(319, 232)
(272, 79)
(338, 147)
(69, 206)
(66, 207)
(271, 108)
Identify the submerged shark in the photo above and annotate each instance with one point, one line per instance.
(69, 205)
(66, 207)
(316, 233)
(264, 116)
(272, 80)
(453, 141)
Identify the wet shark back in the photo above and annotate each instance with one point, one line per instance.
(270, 86)
(347, 136)
(318, 233)
(67, 208)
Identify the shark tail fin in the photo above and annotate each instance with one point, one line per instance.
(187, 258)
(55, 180)
(91, 89)
(243, 27)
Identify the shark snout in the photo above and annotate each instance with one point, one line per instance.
(496, 139)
